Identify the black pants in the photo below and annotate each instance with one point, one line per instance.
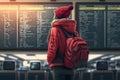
(62, 73)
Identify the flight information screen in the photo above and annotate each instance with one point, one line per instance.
(8, 26)
(99, 24)
(26, 26)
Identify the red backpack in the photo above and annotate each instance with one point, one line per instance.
(76, 53)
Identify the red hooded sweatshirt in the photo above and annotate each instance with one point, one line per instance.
(56, 44)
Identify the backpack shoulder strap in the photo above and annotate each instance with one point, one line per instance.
(67, 34)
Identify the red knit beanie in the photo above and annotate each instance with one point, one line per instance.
(63, 12)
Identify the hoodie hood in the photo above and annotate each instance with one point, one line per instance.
(68, 25)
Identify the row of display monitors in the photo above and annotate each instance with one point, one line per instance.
(26, 25)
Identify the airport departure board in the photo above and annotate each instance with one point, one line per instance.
(8, 26)
(99, 24)
(26, 26)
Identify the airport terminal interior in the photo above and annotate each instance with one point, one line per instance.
(24, 29)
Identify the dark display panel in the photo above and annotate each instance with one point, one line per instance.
(8, 27)
(99, 24)
(26, 26)
(113, 26)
